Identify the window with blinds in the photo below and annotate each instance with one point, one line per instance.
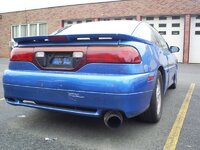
(34, 29)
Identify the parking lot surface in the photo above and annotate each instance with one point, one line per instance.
(28, 128)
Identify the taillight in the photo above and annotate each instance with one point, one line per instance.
(113, 54)
(58, 38)
(22, 54)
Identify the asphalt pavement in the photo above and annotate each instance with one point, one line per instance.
(27, 128)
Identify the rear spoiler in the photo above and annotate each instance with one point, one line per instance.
(78, 39)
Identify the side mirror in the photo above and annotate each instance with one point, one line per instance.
(174, 49)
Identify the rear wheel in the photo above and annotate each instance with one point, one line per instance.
(153, 113)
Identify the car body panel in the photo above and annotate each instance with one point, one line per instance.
(87, 90)
(94, 88)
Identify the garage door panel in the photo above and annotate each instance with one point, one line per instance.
(172, 30)
(194, 56)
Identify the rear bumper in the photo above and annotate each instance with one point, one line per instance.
(79, 93)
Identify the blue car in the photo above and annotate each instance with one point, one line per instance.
(108, 69)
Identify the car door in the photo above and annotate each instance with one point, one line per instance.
(171, 62)
(163, 56)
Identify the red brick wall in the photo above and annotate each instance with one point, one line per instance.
(54, 16)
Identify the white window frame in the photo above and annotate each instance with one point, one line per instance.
(28, 26)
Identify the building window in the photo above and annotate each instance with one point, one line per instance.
(149, 18)
(175, 24)
(71, 22)
(105, 19)
(162, 25)
(198, 17)
(175, 32)
(197, 25)
(43, 29)
(197, 32)
(15, 31)
(162, 32)
(130, 18)
(117, 18)
(88, 20)
(163, 18)
(33, 29)
(79, 21)
(175, 17)
(23, 30)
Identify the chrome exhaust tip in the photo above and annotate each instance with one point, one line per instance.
(113, 119)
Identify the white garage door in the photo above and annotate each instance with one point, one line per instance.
(172, 30)
(194, 56)
(118, 18)
(71, 22)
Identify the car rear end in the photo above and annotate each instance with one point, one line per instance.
(79, 74)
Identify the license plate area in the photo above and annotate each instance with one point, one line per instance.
(58, 61)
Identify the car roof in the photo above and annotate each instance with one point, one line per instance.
(102, 27)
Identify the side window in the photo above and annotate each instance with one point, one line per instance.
(155, 38)
(159, 40)
(163, 43)
(147, 32)
(143, 31)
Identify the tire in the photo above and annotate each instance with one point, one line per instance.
(154, 112)
(173, 86)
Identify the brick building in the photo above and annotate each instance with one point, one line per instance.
(177, 20)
